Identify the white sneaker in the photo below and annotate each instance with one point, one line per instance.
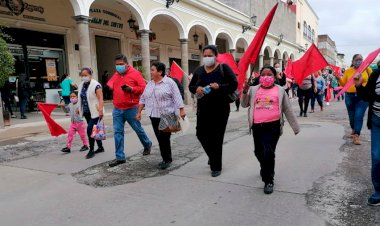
(327, 103)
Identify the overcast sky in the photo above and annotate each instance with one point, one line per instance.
(353, 25)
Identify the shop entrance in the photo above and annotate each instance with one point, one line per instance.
(106, 50)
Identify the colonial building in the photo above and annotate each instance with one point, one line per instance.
(51, 38)
(328, 49)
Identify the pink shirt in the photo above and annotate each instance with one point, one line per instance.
(266, 107)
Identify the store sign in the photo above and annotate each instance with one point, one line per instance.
(18, 8)
(103, 17)
(51, 70)
(18, 51)
(195, 57)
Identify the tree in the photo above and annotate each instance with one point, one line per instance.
(6, 59)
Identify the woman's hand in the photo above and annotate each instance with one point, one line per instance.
(358, 79)
(214, 86)
(199, 91)
(138, 116)
(101, 114)
(246, 87)
(182, 113)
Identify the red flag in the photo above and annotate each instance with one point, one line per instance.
(176, 72)
(227, 58)
(46, 109)
(254, 48)
(370, 58)
(309, 63)
(336, 69)
(289, 68)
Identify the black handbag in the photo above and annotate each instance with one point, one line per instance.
(231, 97)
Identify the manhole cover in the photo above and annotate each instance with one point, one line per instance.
(309, 126)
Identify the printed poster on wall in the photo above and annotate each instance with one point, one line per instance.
(51, 70)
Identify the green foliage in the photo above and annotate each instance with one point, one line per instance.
(7, 60)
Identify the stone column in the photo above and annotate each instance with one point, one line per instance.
(185, 68)
(84, 40)
(233, 53)
(271, 61)
(145, 53)
(261, 61)
(280, 62)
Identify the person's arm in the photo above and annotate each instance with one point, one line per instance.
(139, 110)
(323, 85)
(246, 96)
(177, 99)
(99, 95)
(141, 84)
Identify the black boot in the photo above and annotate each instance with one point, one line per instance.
(90, 154)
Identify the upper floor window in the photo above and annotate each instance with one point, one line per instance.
(309, 32)
(312, 35)
(304, 28)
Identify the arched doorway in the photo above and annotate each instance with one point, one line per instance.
(267, 56)
(198, 37)
(223, 41)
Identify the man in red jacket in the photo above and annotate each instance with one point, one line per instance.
(127, 85)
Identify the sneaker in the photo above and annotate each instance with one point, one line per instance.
(327, 103)
(304, 114)
(147, 150)
(164, 165)
(312, 111)
(373, 202)
(66, 150)
(99, 150)
(23, 117)
(84, 148)
(301, 113)
(90, 154)
(216, 173)
(268, 188)
(116, 162)
(13, 116)
(356, 139)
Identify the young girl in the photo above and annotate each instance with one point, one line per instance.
(77, 124)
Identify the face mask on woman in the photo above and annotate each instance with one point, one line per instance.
(357, 63)
(278, 70)
(86, 79)
(74, 100)
(208, 61)
(121, 69)
(266, 81)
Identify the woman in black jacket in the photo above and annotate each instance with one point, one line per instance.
(211, 84)
(371, 93)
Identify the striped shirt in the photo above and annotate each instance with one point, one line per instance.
(161, 98)
(376, 104)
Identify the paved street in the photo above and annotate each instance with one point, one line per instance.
(321, 179)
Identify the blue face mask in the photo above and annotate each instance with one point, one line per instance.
(121, 69)
(358, 63)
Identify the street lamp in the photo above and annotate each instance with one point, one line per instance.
(246, 28)
(170, 2)
(281, 37)
(195, 36)
(253, 20)
(131, 24)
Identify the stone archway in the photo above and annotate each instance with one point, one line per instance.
(224, 41)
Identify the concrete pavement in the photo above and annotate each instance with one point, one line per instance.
(41, 190)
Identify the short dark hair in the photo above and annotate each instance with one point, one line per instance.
(270, 68)
(353, 58)
(160, 67)
(88, 69)
(212, 48)
(74, 92)
(121, 56)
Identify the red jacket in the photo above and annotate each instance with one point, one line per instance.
(133, 78)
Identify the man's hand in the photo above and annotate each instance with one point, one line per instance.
(100, 114)
(127, 88)
(358, 79)
(199, 91)
(138, 116)
(246, 87)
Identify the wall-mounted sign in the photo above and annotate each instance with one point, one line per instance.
(107, 18)
(195, 57)
(18, 7)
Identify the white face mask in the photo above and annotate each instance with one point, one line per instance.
(86, 79)
(208, 61)
(278, 70)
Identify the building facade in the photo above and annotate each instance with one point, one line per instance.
(51, 38)
(328, 49)
(307, 25)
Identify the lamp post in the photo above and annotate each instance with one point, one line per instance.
(170, 2)
(281, 37)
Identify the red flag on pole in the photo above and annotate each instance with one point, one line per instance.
(176, 72)
(367, 61)
(328, 94)
(227, 58)
(309, 63)
(336, 69)
(254, 48)
(289, 68)
(46, 109)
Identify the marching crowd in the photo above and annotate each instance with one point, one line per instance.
(213, 85)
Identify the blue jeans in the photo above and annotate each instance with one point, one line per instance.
(375, 155)
(23, 103)
(319, 98)
(356, 109)
(119, 118)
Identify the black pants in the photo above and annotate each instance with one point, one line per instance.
(304, 99)
(163, 140)
(265, 137)
(210, 132)
(237, 103)
(90, 123)
(7, 105)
